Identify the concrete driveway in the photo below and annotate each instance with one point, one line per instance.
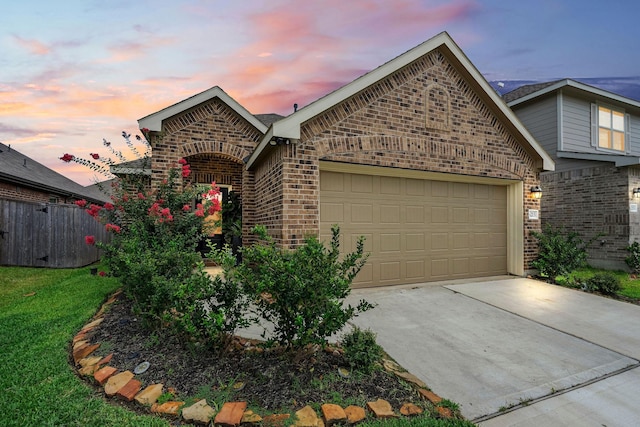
(515, 351)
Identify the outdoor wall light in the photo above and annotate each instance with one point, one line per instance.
(536, 192)
(278, 140)
(636, 192)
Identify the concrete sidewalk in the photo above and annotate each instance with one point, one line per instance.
(493, 345)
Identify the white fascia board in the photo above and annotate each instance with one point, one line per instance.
(547, 162)
(260, 148)
(575, 84)
(289, 127)
(153, 121)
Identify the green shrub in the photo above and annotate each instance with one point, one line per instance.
(210, 310)
(361, 350)
(605, 283)
(633, 260)
(559, 252)
(302, 291)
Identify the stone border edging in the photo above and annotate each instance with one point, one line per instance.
(124, 385)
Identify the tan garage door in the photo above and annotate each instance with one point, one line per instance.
(417, 230)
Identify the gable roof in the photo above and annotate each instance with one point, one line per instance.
(19, 169)
(153, 121)
(529, 92)
(289, 127)
(526, 90)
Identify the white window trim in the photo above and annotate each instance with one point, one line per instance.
(595, 128)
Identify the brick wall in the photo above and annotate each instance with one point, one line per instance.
(212, 137)
(424, 116)
(16, 192)
(594, 201)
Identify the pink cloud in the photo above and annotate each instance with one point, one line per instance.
(34, 46)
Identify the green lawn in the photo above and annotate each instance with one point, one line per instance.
(39, 387)
(630, 287)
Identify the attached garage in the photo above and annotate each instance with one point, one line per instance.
(416, 229)
(421, 157)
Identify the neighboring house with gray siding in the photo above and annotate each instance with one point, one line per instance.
(594, 138)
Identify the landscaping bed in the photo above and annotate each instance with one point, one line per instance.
(268, 379)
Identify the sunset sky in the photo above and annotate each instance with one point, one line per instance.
(73, 72)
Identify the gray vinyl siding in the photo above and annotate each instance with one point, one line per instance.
(541, 120)
(576, 126)
(634, 135)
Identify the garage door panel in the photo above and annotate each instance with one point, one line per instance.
(460, 215)
(414, 187)
(332, 212)
(460, 191)
(415, 269)
(389, 185)
(460, 266)
(415, 215)
(439, 214)
(439, 188)
(481, 216)
(417, 230)
(499, 216)
(461, 241)
(440, 268)
(362, 213)
(332, 181)
(390, 214)
(390, 271)
(415, 242)
(390, 243)
(361, 183)
(439, 241)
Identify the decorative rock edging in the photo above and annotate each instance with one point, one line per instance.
(124, 386)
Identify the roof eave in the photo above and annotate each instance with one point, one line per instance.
(577, 85)
(153, 122)
(46, 188)
(289, 127)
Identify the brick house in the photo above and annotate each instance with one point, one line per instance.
(22, 178)
(594, 138)
(420, 156)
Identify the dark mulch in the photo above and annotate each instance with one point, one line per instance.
(273, 380)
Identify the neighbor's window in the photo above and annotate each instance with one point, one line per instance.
(610, 129)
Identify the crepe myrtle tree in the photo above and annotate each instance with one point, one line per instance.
(153, 247)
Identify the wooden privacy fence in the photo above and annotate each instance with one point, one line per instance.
(47, 235)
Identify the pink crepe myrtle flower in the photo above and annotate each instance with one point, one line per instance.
(186, 208)
(82, 203)
(90, 240)
(108, 206)
(113, 227)
(182, 161)
(94, 210)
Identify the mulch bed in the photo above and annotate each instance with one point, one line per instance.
(273, 380)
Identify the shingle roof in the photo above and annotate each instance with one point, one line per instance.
(17, 168)
(268, 119)
(526, 90)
